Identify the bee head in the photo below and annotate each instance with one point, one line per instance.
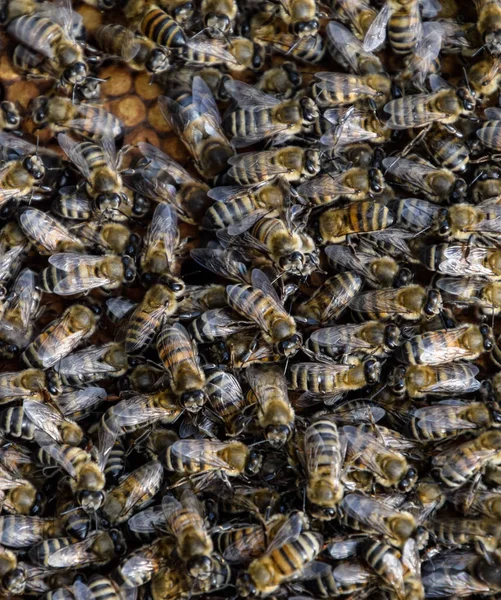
(200, 567)
(292, 73)
(129, 269)
(376, 181)
(433, 304)
(305, 28)
(118, 542)
(277, 435)
(38, 504)
(408, 481)
(372, 370)
(12, 116)
(467, 99)
(396, 380)
(15, 581)
(106, 4)
(245, 585)
(35, 167)
(90, 501)
(309, 109)
(76, 73)
(158, 61)
(218, 21)
(183, 12)
(254, 463)
(193, 401)
(403, 277)
(392, 336)
(290, 346)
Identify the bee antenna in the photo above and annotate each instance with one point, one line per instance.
(467, 81)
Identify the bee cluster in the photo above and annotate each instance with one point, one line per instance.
(270, 372)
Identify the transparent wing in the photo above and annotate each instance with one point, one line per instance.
(335, 81)
(443, 346)
(466, 288)
(120, 307)
(249, 546)
(325, 185)
(55, 452)
(70, 261)
(54, 347)
(164, 227)
(73, 555)
(176, 336)
(376, 34)
(222, 262)
(380, 300)
(19, 531)
(452, 381)
(439, 418)
(349, 46)
(315, 448)
(249, 160)
(369, 511)
(212, 47)
(46, 230)
(73, 151)
(343, 337)
(204, 100)
(350, 259)
(151, 477)
(248, 97)
(85, 362)
(148, 520)
(135, 411)
(45, 418)
(200, 452)
(464, 260)
(288, 532)
(81, 400)
(261, 282)
(24, 287)
(159, 159)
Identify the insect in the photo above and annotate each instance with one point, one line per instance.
(281, 81)
(350, 128)
(21, 497)
(93, 363)
(472, 291)
(340, 89)
(219, 16)
(23, 531)
(26, 383)
(439, 380)
(346, 49)
(141, 565)
(489, 24)
(48, 235)
(446, 149)
(411, 302)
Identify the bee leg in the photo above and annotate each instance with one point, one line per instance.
(417, 140)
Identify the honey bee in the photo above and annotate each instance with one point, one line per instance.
(328, 381)
(282, 81)
(486, 186)
(439, 380)
(72, 273)
(472, 291)
(179, 355)
(421, 178)
(195, 117)
(330, 299)
(140, 53)
(23, 531)
(133, 492)
(462, 260)
(346, 49)
(336, 224)
(274, 411)
(379, 269)
(489, 131)
(489, 24)
(155, 24)
(141, 565)
(411, 302)
(226, 398)
(46, 233)
(266, 573)
(63, 553)
(78, 404)
(260, 303)
(443, 105)
(424, 59)
(324, 454)
(98, 162)
(21, 497)
(358, 15)
(93, 363)
(310, 49)
(29, 383)
(370, 338)
(350, 128)
(369, 515)
(219, 16)
(238, 54)
(481, 502)
(451, 573)
(483, 533)
(341, 89)
(293, 163)
(388, 467)
(60, 337)
(97, 588)
(461, 221)
(446, 149)
(260, 116)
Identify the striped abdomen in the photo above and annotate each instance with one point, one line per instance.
(102, 589)
(294, 556)
(223, 214)
(162, 29)
(324, 430)
(42, 552)
(402, 30)
(313, 377)
(14, 423)
(30, 29)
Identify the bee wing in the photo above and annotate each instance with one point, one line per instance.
(441, 419)
(425, 52)
(491, 223)
(444, 346)
(363, 446)
(107, 143)
(221, 323)
(82, 591)
(488, 135)
(247, 547)
(21, 531)
(70, 261)
(148, 520)
(349, 46)
(72, 150)
(120, 307)
(350, 259)
(248, 97)
(409, 112)
(409, 170)
(261, 132)
(204, 100)
(73, 555)
(493, 113)
(228, 193)
(61, 12)
(314, 448)
(164, 226)
(347, 130)
(152, 475)
(249, 160)
(447, 583)
(335, 81)
(85, 362)
(99, 125)
(24, 288)
(460, 286)
(457, 263)
(452, 382)
(288, 532)
(10, 390)
(369, 511)
(260, 281)
(416, 214)
(198, 451)
(325, 185)
(260, 381)
(222, 262)
(242, 225)
(135, 411)
(376, 34)
(385, 300)
(55, 452)
(53, 348)
(45, 418)
(212, 47)
(130, 46)
(69, 285)
(144, 328)
(80, 400)
(46, 230)
(159, 159)
(343, 337)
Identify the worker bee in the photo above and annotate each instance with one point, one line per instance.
(179, 356)
(330, 299)
(292, 162)
(421, 178)
(424, 59)
(59, 338)
(327, 381)
(140, 53)
(341, 89)
(107, 237)
(98, 163)
(237, 54)
(260, 303)
(350, 128)
(195, 117)
(260, 116)
(369, 515)
(63, 553)
(370, 338)
(10, 116)
(282, 81)
(443, 105)
(29, 383)
(481, 502)
(336, 224)
(23, 531)
(462, 260)
(355, 183)
(446, 149)
(72, 273)
(155, 24)
(347, 50)
(486, 185)
(93, 363)
(466, 342)
(20, 496)
(388, 467)
(484, 77)
(461, 221)
(49, 32)
(438, 380)
(141, 565)
(274, 411)
(324, 454)
(309, 49)
(132, 493)
(486, 295)
(46, 233)
(219, 16)
(266, 573)
(489, 131)
(489, 24)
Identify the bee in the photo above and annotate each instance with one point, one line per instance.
(93, 363)
(489, 131)
(205, 459)
(336, 224)
(98, 163)
(451, 418)
(226, 398)
(486, 295)
(107, 237)
(238, 54)
(132, 493)
(63, 553)
(155, 24)
(366, 514)
(274, 411)
(350, 128)
(388, 467)
(310, 49)
(28, 383)
(356, 183)
(260, 116)
(446, 149)
(141, 565)
(324, 454)
(46, 233)
(21, 497)
(60, 337)
(193, 543)
(486, 187)
(422, 178)
(288, 554)
(293, 163)
(23, 531)
(489, 24)
(484, 77)
(466, 342)
(195, 117)
(482, 502)
(97, 588)
(443, 105)
(424, 59)
(484, 533)
(340, 89)
(301, 18)
(454, 572)
(328, 381)
(438, 380)
(260, 303)
(370, 338)
(358, 15)
(461, 221)
(179, 355)
(347, 50)
(72, 273)
(282, 81)
(140, 53)
(10, 116)
(462, 260)
(219, 16)
(330, 299)
(158, 176)
(411, 302)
